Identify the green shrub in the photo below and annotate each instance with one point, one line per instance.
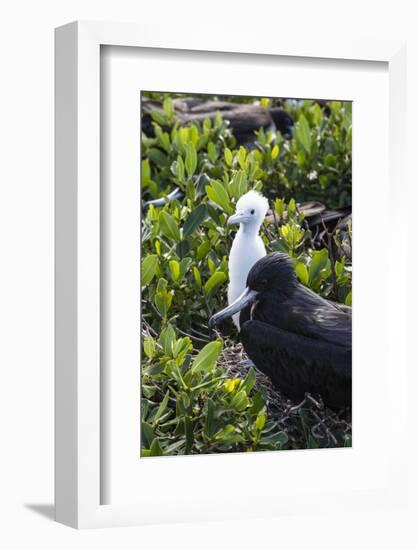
(190, 406)
(317, 163)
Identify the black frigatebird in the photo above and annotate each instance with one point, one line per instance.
(302, 341)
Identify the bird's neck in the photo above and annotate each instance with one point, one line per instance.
(248, 230)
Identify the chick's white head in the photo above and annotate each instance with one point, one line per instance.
(251, 209)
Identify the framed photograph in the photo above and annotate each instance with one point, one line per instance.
(225, 333)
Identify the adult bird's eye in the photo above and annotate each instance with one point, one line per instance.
(252, 211)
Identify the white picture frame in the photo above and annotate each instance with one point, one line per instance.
(78, 412)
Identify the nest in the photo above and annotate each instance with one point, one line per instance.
(308, 423)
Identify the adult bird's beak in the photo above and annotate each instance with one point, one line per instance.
(247, 297)
(237, 218)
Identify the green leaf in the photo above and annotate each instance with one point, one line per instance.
(146, 171)
(239, 184)
(203, 249)
(197, 216)
(169, 226)
(209, 426)
(249, 381)
(302, 133)
(181, 347)
(149, 346)
(158, 117)
(218, 194)
(240, 401)
(280, 207)
(168, 107)
(207, 357)
(218, 120)
(158, 157)
(167, 339)
(217, 279)
(317, 266)
(190, 159)
(179, 168)
(258, 403)
(292, 207)
(223, 434)
(161, 408)
(211, 265)
(330, 160)
(348, 299)
(339, 267)
(277, 439)
(212, 152)
(197, 276)
(183, 248)
(228, 156)
(174, 267)
(260, 421)
(154, 369)
(241, 157)
(170, 449)
(185, 265)
(163, 301)
(162, 139)
(194, 135)
(147, 435)
(302, 273)
(155, 449)
(149, 268)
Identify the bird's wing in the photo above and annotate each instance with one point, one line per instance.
(317, 317)
(324, 324)
(306, 313)
(306, 296)
(297, 364)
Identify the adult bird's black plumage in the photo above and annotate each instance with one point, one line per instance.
(300, 340)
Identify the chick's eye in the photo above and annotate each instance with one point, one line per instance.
(252, 211)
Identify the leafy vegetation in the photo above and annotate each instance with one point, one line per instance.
(190, 404)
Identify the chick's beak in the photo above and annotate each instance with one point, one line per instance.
(237, 218)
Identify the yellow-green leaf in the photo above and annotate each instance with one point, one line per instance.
(260, 421)
(240, 401)
(302, 273)
(217, 279)
(303, 134)
(190, 159)
(228, 156)
(218, 194)
(149, 346)
(169, 226)
(174, 267)
(207, 357)
(348, 300)
(149, 268)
